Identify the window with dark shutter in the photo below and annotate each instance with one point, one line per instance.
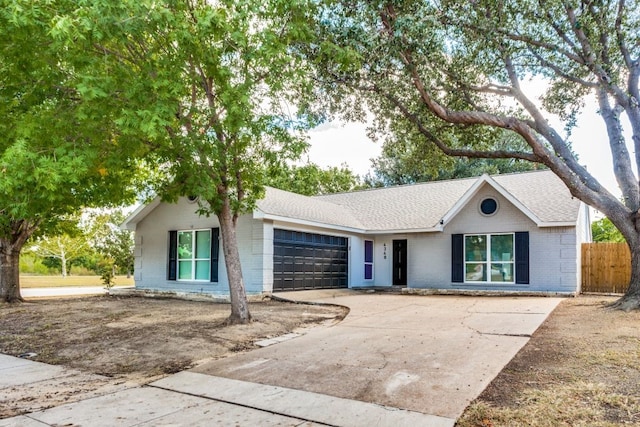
(193, 255)
(172, 265)
(368, 260)
(522, 257)
(457, 258)
(215, 253)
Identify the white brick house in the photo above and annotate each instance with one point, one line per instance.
(516, 232)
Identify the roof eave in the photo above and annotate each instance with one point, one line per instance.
(258, 214)
(436, 229)
(547, 224)
(139, 214)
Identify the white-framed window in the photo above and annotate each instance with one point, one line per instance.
(489, 258)
(194, 255)
(368, 260)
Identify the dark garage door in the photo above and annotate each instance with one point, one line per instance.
(308, 261)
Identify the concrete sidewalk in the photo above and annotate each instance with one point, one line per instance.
(195, 400)
(62, 291)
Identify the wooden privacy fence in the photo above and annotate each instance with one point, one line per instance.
(606, 267)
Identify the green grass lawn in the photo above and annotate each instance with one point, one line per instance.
(59, 281)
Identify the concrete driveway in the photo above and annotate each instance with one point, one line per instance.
(428, 354)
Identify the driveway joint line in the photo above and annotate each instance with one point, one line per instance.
(507, 312)
(505, 335)
(242, 405)
(35, 419)
(159, 417)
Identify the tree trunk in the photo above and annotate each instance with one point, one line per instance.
(9, 272)
(63, 261)
(239, 305)
(11, 245)
(631, 298)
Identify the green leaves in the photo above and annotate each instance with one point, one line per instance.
(603, 230)
(311, 180)
(210, 85)
(57, 129)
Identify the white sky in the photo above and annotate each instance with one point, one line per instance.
(335, 143)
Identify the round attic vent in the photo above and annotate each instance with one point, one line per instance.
(489, 206)
(192, 199)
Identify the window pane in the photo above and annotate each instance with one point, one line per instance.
(203, 244)
(368, 251)
(501, 272)
(368, 271)
(475, 248)
(185, 245)
(202, 270)
(502, 248)
(476, 272)
(184, 270)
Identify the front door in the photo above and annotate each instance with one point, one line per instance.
(400, 263)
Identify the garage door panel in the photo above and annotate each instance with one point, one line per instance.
(309, 261)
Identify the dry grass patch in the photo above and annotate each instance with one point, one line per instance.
(59, 281)
(581, 368)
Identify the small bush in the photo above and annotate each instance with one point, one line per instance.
(106, 269)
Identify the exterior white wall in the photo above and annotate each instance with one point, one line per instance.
(583, 236)
(267, 256)
(151, 250)
(553, 251)
(383, 259)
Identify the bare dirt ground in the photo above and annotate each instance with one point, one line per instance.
(580, 368)
(119, 342)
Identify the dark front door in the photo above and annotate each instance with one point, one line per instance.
(399, 263)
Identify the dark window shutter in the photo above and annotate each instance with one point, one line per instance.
(172, 265)
(522, 258)
(215, 253)
(457, 258)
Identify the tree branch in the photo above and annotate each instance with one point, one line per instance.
(592, 60)
(621, 158)
(563, 162)
(445, 148)
(622, 44)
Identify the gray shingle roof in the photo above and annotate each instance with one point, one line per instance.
(543, 193)
(406, 207)
(295, 206)
(420, 206)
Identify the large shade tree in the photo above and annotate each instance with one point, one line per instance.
(59, 151)
(407, 160)
(214, 83)
(455, 73)
(312, 180)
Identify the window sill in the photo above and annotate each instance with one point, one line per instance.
(195, 281)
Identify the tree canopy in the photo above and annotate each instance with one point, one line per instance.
(212, 85)
(412, 160)
(312, 180)
(59, 151)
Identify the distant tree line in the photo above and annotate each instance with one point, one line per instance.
(90, 243)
